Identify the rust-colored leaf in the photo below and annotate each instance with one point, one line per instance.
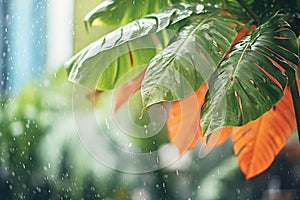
(257, 143)
(123, 94)
(184, 123)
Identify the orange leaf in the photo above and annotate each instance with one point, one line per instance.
(123, 94)
(184, 123)
(257, 143)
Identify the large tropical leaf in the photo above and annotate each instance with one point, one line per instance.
(117, 52)
(251, 79)
(121, 12)
(184, 127)
(189, 60)
(257, 143)
(183, 121)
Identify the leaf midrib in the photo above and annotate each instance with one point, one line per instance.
(239, 63)
(190, 34)
(241, 58)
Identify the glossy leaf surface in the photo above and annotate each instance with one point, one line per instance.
(183, 66)
(251, 78)
(103, 62)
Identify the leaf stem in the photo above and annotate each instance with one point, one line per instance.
(296, 100)
(249, 10)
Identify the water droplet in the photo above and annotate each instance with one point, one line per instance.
(12, 150)
(157, 160)
(107, 124)
(92, 188)
(38, 189)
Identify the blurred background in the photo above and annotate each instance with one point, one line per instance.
(41, 156)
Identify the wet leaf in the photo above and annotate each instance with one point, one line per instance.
(251, 79)
(183, 66)
(101, 64)
(257, 143)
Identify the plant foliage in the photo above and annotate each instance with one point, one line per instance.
(228, 67)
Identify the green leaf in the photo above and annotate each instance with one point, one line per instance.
(121, 12)
(129, 46)
(251, 79)
(189, 60)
